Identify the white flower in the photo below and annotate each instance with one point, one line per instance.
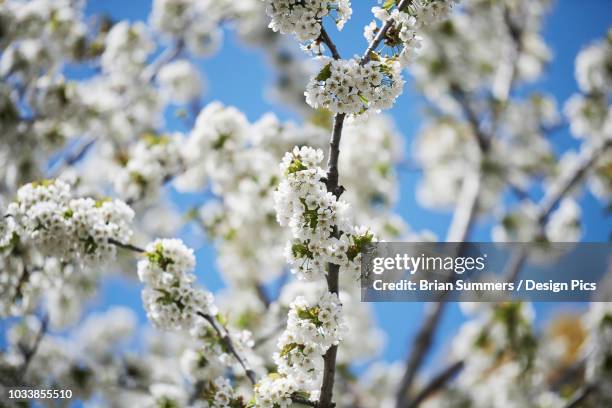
(153, 160)
(275, 391)
(167, 261)
(303, 18)
(564, 223)
(169, 297)
(127, 48)
(312, 328)
(210, 151)
(71, 229)
(180, 81)
(593, 67)
(346, 86)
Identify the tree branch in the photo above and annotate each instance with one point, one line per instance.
(422, 343)
(466, 209)
(555, 194)
(331, 182)
(167, 56)
(463, 218)
(129, 247)
(326, 39)
(227, 340)
(71, 159)
(380, 35)
(437, 383)
(424, 338)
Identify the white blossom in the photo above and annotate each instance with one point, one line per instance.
(180, 81)
(350, 87)
(303, 18)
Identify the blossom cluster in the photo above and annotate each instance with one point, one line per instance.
(180, 81)
(46, 216)
(212, 149)
(239, 161)
(303, 204)
(407, 23)
(522, 224)
(275, 391)
(209, 357)
(194, 22)
(502, 358)
(347, 86)
(312, 328)
(128, 47)
(169, 297)
(471, 52)
(152, 161)
(303, 18)
(590, 113)
(53, 246)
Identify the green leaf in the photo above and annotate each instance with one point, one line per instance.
(358, 243)
(152, 139)
(220, 142)
(90, 245)
(374, 56)
(43, 183)
(325, 73)
(295, 166)
(100, 203)
(389, 4)
(288, 348)
(300, 250)
(157, 257)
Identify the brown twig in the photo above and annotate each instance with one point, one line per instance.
(555, 194)
(437, 383)
(229, 344)
(325, 39)
(129, 247)
(70, 159)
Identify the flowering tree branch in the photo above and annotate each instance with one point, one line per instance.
(423, 341)
(329, 359)
(380, 35)
(227, 340)
(52, 233)
(168, 55)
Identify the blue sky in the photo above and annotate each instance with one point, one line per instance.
(238, 76)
